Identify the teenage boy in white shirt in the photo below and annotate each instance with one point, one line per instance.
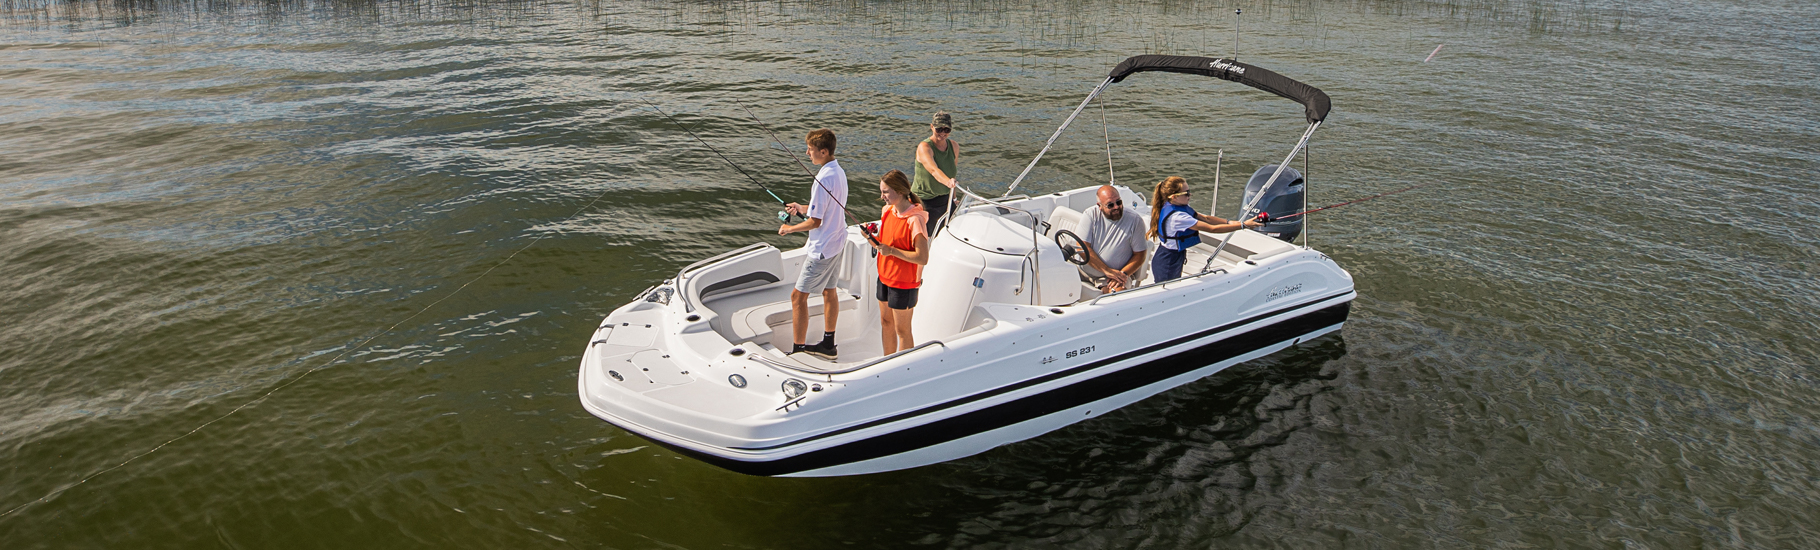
(827, 238)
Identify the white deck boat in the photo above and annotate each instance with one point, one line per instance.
(1012, 343)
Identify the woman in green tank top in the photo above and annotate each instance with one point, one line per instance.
(935, 159)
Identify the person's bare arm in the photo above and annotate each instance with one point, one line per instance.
(808, 224)
(920, 256)
(1137, 262)
(1213, 224)
(925, 155)
(1115, 275)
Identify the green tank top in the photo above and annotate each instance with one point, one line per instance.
(925, 185)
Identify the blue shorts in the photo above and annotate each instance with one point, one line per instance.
(1167, 264)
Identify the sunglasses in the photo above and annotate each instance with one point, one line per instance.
(1114, 204)
(943, 130)
(1183, 194)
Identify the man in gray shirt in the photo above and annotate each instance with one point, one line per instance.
(1113, 238)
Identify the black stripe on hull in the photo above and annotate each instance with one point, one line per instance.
(1046, 403)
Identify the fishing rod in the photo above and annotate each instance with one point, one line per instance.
(799, 160)
(1331, 206)
(864, 230)
(781, 216)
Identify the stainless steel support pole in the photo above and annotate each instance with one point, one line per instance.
(1246, 211)
(1057, 134)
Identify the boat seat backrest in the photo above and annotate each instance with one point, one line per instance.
(756, 269)
(1062, 218)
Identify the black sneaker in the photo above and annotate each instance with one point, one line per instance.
(823, 350)
(796, 348)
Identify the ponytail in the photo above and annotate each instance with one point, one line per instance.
(1164, 189)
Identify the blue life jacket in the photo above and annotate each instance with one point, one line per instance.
(1188, 237)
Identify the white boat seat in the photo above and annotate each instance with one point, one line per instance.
(1063, 218)
(1245, 245)
(757, 322)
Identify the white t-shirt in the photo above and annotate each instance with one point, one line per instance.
(1114, 241)
(827, 240)
(1176, 224)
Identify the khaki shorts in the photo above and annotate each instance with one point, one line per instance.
(818, 275)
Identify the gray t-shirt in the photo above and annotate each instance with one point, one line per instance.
(1115, 241)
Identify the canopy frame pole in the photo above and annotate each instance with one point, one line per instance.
(1217, 163)
(1106, 132)
(1057, 134)
(1309, 152)
(1245, 212)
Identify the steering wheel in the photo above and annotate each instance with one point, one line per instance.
(1073, 250)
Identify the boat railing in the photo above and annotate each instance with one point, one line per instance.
(826, 372)
(689, 305)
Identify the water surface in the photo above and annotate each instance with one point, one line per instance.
(1594, 330)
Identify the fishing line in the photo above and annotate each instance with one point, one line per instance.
(338, 357)
(1306, 212)
(799, 162)
(780, 143)
(704, 143)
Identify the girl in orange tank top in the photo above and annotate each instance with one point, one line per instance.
(903, 250)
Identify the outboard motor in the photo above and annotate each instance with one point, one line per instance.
(1280, 200)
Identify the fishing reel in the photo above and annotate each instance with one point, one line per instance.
(870, 231)
(785, 216)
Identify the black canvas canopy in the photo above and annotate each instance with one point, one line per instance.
(1312, 99)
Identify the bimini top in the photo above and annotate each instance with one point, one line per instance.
(1311, 98)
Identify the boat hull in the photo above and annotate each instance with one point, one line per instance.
(981, 421)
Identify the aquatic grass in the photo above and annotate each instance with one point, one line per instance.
(1065, 22)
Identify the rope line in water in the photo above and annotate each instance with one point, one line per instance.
(338, 357)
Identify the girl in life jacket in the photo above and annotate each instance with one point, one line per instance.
(1176, 227)
(903, 250)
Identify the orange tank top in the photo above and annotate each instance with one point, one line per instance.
(900, 232)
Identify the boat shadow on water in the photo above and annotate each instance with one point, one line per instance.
(1205, 453)
(1190, 430)
(1207, 456)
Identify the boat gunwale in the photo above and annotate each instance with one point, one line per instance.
(784, 462)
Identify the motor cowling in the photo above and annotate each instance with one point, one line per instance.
(1283, 199)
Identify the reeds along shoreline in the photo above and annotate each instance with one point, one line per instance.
(1063, 20)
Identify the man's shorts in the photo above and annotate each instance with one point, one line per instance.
(896, 298)
(818, 275)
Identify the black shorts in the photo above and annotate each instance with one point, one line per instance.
(936, 207)
(896, 298)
